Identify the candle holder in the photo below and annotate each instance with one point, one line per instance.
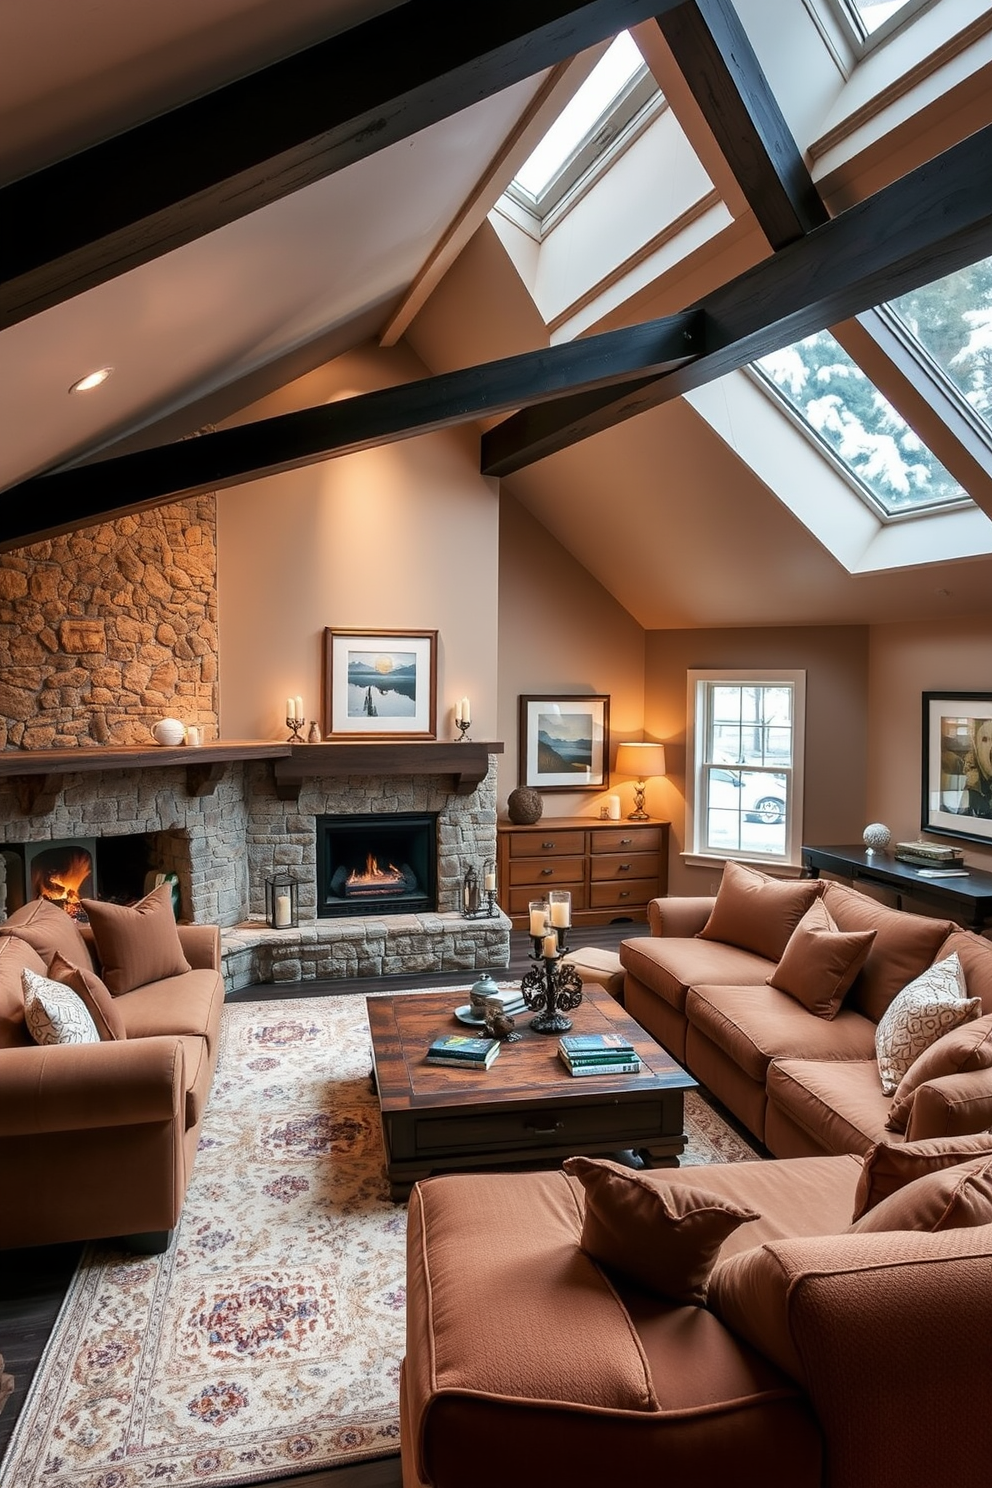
(295, 724)
(487, 911)
(552, 987)
(463, 729)
(282, 902)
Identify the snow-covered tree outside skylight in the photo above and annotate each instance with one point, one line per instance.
(952, 319)
(838, 403)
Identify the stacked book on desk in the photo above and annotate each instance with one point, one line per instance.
(929, 855)
(597, 1054)
(462, 1051)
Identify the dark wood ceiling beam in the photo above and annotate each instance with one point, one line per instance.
(49, 504)
(83, 220)
(715, 57)
(934, 220)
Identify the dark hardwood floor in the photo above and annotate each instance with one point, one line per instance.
(33, 1282)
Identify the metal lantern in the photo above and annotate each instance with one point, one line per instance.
(471, 897)
(281, 902)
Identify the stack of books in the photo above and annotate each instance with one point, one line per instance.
(597, 1054)
(929, 855)
(462, 1051)
(512, 1002)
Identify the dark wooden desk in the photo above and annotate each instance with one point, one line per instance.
(968, 899)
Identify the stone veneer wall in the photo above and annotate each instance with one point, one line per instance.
(105, 630)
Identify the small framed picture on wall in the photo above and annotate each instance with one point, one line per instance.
(565, 742)
(380, 684)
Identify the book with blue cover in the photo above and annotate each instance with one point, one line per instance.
(581, 1047)
(463, 1049)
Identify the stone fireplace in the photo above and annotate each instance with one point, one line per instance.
(228, 817)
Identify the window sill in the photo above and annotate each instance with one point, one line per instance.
(775, 868)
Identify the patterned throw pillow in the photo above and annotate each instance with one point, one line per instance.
(53, 1012)
(933, 1004)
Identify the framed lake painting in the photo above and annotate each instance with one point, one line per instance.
(565, 742)
(380, 684)
(957, 764)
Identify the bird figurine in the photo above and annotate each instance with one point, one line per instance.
(499, 1023)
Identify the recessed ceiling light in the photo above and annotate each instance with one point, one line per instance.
(91, 380)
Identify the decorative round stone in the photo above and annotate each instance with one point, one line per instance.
(876, 836)
(524, 806)
(169, 731)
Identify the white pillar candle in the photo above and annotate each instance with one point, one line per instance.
(283, 911)
(299, 708)
(560, 917)
(489, 883)
(458, 711)
(290, 708)
(538, 922)
(466, 711)
(549, 946)
(613, 808)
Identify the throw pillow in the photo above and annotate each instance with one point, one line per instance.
(933, 1004)
(820, 962)
(137, 943)
(48, 930)
(758, 913)
(663, 1236)
(94, 996)
(887, 1169)
(953, 1199)
(961, 1051)
(53, 1012)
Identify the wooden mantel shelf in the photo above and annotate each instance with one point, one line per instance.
(36, 773)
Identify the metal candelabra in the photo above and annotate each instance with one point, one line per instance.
(552, 987)
(295, 724)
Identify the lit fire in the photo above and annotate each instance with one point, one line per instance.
(374, 877)
(62, 885)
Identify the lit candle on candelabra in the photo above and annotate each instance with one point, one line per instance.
(538, 918)
(549, 946)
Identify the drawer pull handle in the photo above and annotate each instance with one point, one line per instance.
(624, 893)
(545, 1131)
(623, 867)
(626, 841)
(547, 870)
(547, 846)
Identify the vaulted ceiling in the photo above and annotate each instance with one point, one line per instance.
(216, 196)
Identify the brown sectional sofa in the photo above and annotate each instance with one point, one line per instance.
(823, 1357)
(805, 1085)
(98, 1139)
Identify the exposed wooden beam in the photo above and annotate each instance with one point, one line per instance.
(49, 504)
(934, 220)
(83, 220)
(716, 60)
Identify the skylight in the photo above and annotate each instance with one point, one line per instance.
(952, 320)
(608, 79)
(873, 15)
(841, 407)
(871, 21)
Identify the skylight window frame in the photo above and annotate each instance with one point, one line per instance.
(637, 105)
(862, 41)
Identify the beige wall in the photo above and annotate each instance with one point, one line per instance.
(835, 659)
(397, 537)
(561, 632)
(905, 662)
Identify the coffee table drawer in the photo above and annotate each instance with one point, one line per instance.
(555, 1126)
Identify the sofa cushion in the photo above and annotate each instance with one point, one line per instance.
(756, 912)
(975, 954)
(53, 1012)
(15, 955)
(888, 1167)
(837, 1102)
(932, 1004)
(904, 945)
(820, 962)
(670, 967)
(953, 1198)
(191, 1006)
(49, 931)
(137, 943)
(664, 1237)
(964, 1049)
(754, 1025)
(94, 995)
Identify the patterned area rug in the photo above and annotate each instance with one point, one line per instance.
(267, 1342)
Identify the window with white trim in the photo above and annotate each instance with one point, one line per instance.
(745, 756)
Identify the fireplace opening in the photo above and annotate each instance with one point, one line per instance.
(376, 864)
(119, 870)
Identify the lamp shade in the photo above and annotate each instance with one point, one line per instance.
(641, 760)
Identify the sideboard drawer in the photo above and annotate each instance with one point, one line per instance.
(624, 865)
(549, 874)
(620, 895)
(625, 840)
(518, 900)
(549, 842)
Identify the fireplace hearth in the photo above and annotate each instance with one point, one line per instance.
(374, 863)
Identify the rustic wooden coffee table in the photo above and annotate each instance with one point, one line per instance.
(526, 1107)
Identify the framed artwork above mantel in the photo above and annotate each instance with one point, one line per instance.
(957, 765)
(380, 684)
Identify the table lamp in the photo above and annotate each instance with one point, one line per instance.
(642, 761)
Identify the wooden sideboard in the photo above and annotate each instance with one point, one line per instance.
(611, 868)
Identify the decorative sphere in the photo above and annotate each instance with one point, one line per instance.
(876, 835)
(169, 731)
(524, 806)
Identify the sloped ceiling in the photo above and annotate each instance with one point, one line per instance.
(658, 509)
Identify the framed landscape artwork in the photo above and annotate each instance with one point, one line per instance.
(380, 684)
(957, 764)
(565, 742)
